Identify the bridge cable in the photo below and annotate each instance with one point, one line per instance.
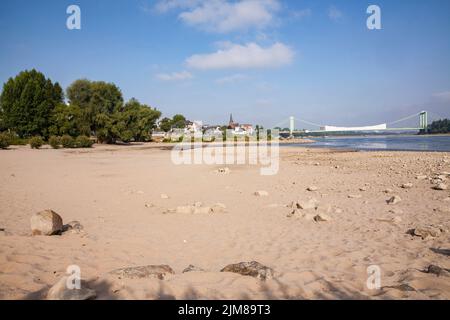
(403, 119)
(308, 122)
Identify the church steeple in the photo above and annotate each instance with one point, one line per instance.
(232, 124)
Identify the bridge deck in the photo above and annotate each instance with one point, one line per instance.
(373, 130)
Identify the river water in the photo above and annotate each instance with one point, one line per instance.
(389, 142)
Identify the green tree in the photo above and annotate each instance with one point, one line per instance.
(439, 126)
(165, 124)
(27, 103)
(178, 121)
(135, 122)
(80, 93)
(98, 101)
(68, 119)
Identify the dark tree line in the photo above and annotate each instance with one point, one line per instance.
(32, 105)
(439, 126)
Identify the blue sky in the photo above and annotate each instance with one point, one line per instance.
(262, 60)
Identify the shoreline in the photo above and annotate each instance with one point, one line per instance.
(169, 146)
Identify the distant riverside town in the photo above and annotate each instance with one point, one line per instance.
(188, 127)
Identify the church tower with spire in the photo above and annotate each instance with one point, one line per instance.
(232, 124)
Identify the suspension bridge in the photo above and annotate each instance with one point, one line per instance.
(384, 127)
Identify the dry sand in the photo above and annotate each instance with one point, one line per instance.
(115, 192)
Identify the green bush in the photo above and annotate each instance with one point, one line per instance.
(83, 142)
(67, 141)
(14, 139)
(4, 141)
(36, 142)
(54, 142)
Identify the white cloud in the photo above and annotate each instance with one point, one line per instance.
(445, 95)
(223, 15)
(301, 14)
(238, 56)
(163, 6)
(231, 79)
(335, 14)
(174, 76)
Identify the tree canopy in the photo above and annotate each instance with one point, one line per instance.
(135, 121)
(439, 126)
(27, 103)
(178, 121)
(100, 108)
(97, 100)
(165, 124)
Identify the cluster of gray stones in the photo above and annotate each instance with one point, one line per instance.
(60, 291)
(49, 223)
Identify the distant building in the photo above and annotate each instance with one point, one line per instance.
(240, 129)
(194, 126)
(232, 124)
(248, 128)
(158, 136)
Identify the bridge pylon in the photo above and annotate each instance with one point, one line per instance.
(291, 125)
(423, 121)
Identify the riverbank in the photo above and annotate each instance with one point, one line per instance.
(126, 198)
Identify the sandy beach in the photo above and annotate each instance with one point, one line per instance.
(115, 193)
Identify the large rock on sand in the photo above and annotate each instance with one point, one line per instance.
(46, 223)
(60, 291)
(252, 269)
(151, 271)
(394, 200)
(440, 186)
(427, 231)
(322, 217)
